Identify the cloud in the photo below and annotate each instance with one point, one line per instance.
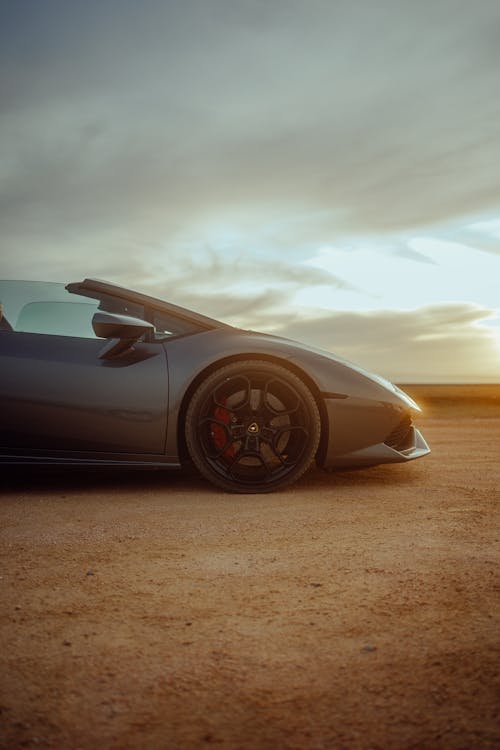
(451, 341)
(379, 115)
(438, 342)
(393, 278)
(241, 288)
(486, 234)
(408, 252)
(205, 151)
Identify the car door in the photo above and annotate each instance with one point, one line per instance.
(58, 397)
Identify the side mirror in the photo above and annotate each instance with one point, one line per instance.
(121, 331)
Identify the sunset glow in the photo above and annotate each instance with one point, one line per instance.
(280, 167)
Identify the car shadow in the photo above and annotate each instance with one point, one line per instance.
(32, 480)
(35, 479)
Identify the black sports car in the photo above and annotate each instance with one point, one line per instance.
(168, 385)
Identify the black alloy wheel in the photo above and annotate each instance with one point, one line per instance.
(252, 426)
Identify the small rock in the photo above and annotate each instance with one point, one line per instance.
(368, 649)
(89, 573)
(66, 643)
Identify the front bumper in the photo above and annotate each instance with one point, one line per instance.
(366, 433)
(382, 454)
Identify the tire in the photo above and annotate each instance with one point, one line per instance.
(252, 426)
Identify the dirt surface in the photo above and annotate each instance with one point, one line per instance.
(355, 610)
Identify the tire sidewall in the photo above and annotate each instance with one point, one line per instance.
(246, 367)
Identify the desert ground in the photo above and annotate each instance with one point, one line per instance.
(356, 610)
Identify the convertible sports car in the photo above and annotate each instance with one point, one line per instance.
(250, 410)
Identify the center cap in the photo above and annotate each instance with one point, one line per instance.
(253, 428)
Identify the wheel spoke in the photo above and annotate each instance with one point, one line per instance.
(252, 426)
(237, 431)
(254, 446)
(272, 400)
(231, 389)
(282, 431)
(244, 454)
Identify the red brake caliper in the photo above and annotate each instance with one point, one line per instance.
(219, 434)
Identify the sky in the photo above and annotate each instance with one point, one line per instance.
(325, 170)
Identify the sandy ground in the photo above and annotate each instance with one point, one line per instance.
(355, 610)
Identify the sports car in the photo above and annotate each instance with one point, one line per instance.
(95, 374)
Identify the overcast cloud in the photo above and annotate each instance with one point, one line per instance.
(211, 151)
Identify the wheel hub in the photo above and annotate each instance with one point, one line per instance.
(253, 428)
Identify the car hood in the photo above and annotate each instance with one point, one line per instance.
(298, 346)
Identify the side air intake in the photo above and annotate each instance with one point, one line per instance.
(398, 439)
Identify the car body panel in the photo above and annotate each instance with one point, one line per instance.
(365, 416)
(58, 395)
(63, 403)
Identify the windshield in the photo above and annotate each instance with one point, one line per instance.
(49, 308)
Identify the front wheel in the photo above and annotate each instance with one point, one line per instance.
(252, 426)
